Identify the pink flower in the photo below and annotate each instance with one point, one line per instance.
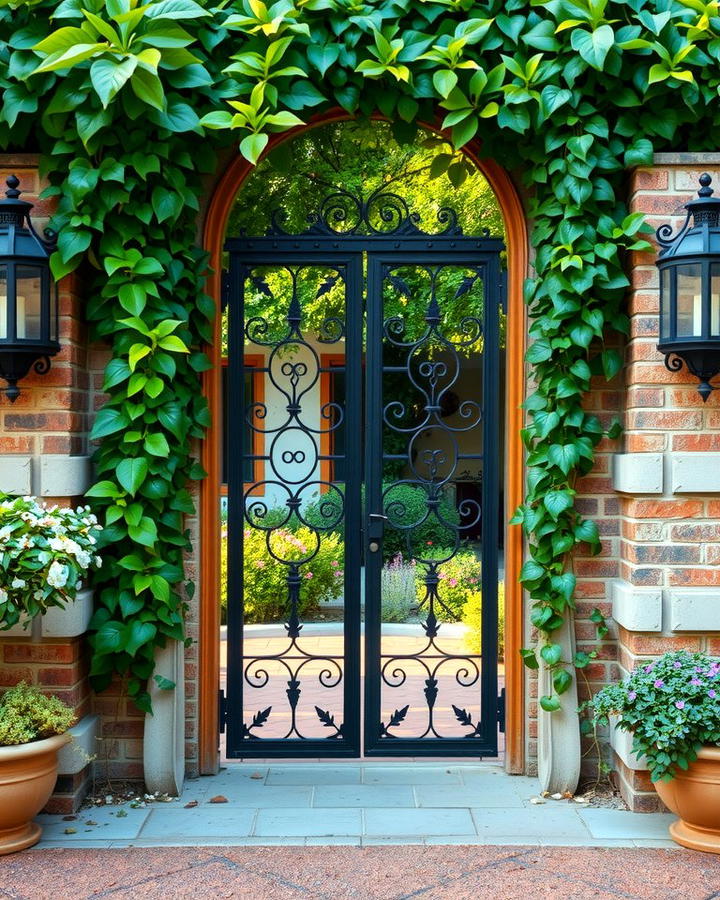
(338, 574)
(453, 582)
(308, 574)
(712, 694)
(680, 704)
(334, 563)
(632, 695)
(260, 563)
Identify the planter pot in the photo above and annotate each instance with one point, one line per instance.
(695, 797)
(28, 773)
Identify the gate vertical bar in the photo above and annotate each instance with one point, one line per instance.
(353, 513)
(490, 498)
(373, 495)
(235, 400)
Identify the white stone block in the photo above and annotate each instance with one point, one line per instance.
(638, 473)
(16, 475)
(164, 738)
(636, 608)
(18, 631)
(64, 476)
(71, 621)
(73, 757)
(694, 473)
(621, 742)
(694, 609)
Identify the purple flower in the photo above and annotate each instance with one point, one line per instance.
(649, 668)
(677, 665)
(632, 695)
(659, 683)
(712, 694)
(695, 682)
(680, 704)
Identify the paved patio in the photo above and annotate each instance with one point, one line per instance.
(358, 804)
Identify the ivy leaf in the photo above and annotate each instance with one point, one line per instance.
(131, 473)
(147, 87)
(529, 659)
(108, 77)
(108, 421)
(551, 654)
(556, 502)
(165, 684)
(564, 456)
(562, 680)
(139, 633)
(593, 46)
(166, 204)
(157, 445)
(252, 146)
(549, 704)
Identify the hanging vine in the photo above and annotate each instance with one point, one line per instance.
(127, 104)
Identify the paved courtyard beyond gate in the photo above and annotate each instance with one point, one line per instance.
(358, 804)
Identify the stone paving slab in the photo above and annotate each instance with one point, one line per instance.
(358, 804)
(370, 873)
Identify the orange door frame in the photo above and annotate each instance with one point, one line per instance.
(218, 211)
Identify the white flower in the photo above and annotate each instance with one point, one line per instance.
(39, 596)
(57, 575)
(98, 562)
(5, 532)
(83, 558)
(18, 583)
(3, 595)
(78, 586)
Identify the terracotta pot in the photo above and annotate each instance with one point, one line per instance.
(695, 797)
(28, 773)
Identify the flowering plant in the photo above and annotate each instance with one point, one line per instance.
(672, 707)
(44, 555)
(26, 714)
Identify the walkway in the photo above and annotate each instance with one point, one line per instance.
(358, 804)
(353, 873)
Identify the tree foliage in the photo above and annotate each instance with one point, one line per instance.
(126, 103)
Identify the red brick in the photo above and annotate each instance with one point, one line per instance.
(698, 577)
(649, 180)
(663, 509)
(654, 645)
(62, 653)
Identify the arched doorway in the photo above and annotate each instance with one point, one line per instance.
(218, 213)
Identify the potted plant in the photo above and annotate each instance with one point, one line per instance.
(44, 555)
(32, 729)
(672, 708)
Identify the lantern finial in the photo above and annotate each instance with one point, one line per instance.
(13, 182)
(705, 182)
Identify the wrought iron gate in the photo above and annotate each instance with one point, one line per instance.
(373, 431)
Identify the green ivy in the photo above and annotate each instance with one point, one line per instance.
(128, 103)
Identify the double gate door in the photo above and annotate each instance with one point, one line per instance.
(363, 447)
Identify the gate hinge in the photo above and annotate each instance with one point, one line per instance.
(224, 289)
(501, 711)
(222, 710)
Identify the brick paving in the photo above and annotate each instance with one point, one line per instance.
(374, 873)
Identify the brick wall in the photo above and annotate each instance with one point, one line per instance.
(50, 417)
(668, 593)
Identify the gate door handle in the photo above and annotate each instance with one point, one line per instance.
(377, 526)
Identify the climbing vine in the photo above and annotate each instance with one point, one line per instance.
(128, 103)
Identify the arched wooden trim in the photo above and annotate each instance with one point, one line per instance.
(218, 211)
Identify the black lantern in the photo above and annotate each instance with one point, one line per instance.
(689, 265)
(28, 296)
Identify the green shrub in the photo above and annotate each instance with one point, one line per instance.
(265, 579)
(459, 578)
(472, 617)
(405, 504)
(28, 715)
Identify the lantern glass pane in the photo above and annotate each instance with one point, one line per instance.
(29, 303)
(689, 301)
(3, 304)
(715, 300)
(665, 303)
